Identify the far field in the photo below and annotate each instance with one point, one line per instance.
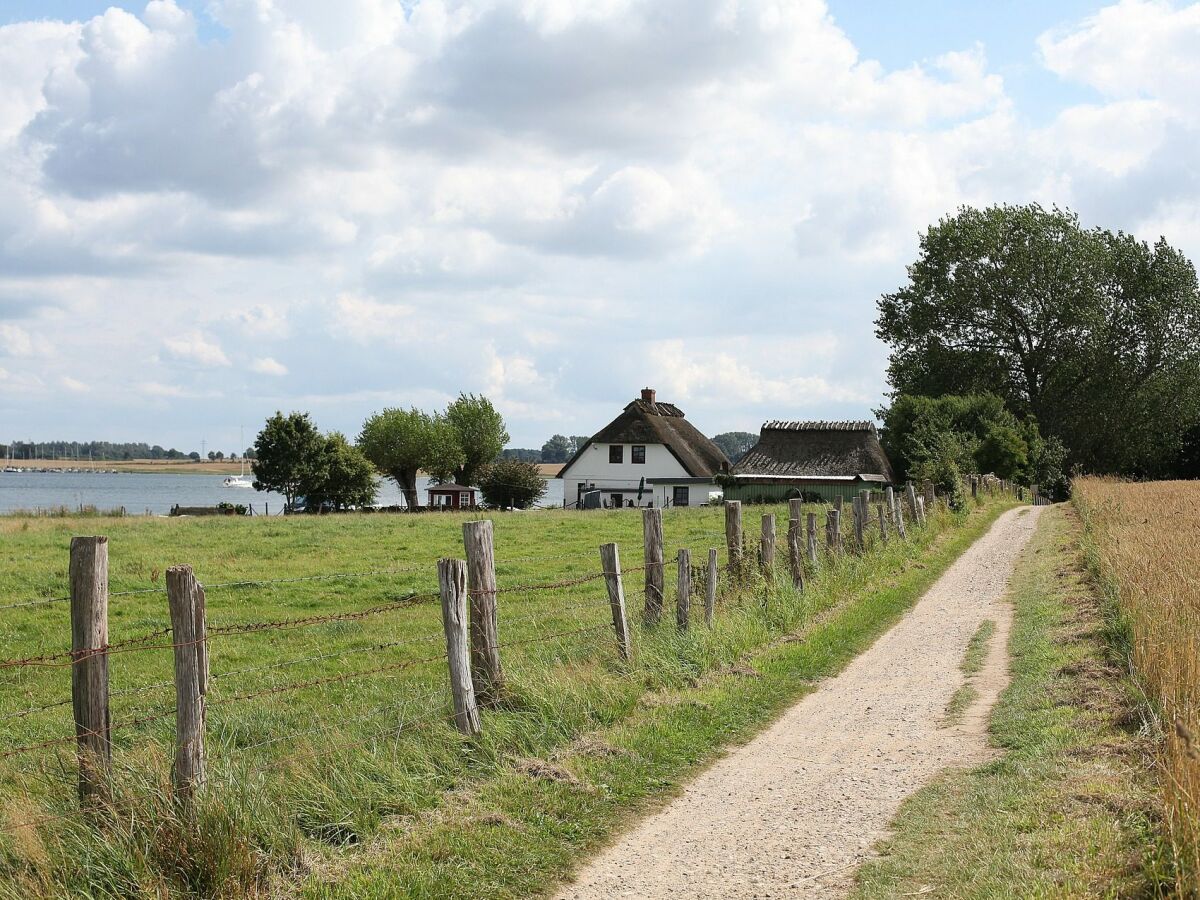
(330, 749)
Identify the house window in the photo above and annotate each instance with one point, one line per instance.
(464, 499)
(637, 454)
(616, 453)
(679, 495)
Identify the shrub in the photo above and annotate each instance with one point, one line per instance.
(512, 483)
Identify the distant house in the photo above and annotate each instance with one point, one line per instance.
(814, 460)
(449, 495)
(651, 449)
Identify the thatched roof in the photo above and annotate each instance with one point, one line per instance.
(646, 421)
(816, 450)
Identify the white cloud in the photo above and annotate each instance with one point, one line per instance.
(268, 366)
(74, 384)
(548, 200)
(196, 348)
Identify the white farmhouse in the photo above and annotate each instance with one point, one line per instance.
(651, 449)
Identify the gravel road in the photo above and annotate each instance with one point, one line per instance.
(794, 812)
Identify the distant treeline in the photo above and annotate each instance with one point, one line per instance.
(96, 450)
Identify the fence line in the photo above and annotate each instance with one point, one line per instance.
(477, 682)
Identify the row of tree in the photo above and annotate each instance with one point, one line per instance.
(1078, 344)
(461, 444)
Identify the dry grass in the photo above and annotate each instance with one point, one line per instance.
(1143, 542)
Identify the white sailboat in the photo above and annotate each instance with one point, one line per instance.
(239, 481)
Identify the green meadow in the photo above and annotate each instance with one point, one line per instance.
(344, 767)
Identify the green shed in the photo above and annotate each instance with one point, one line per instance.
(814, 460)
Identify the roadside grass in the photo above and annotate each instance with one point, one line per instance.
(1069, 809)
(304, 783)
(523, 830)
(972, 662)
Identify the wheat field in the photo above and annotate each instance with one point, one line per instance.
(1143, 543)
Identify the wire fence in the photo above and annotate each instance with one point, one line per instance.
(216, 669)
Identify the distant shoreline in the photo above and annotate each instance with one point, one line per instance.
(178, 466)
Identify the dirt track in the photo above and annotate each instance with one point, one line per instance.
(793, 812)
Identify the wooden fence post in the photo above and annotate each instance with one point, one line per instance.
(733, 537)
(683, 590)
(910, 496)
(89, 672)
(900, 529)
(883, 531)
(486, 672)
(452, 582)
(930, 494)
(974, 488)
(863, 521)
(796, 557)
(185, 597)
(889, 502)
(768, 545)
(610, 563)
(921, 509)
(652, 544)
(710, 588)
(811, 534)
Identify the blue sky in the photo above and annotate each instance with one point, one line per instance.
(209, 211)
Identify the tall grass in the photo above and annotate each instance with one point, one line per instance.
(1143, 544)
(366, 758)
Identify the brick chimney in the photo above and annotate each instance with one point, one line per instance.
(648, 394)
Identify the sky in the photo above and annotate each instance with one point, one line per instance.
(211, 210)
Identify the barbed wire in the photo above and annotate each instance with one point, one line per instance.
(115, 726)
(305, 621)
(318, 682)
(295, 661)
(344, 720)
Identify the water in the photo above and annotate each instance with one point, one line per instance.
(156, 494)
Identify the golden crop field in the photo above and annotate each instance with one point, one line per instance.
(1143, 541)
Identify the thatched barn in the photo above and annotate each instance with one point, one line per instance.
(814, 460)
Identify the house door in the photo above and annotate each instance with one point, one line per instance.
(618, 500)
(679, 495)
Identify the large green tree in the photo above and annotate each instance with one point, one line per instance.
(346, 478)
(401, 442)
(480, 433)
(288, 456)
(1089, 332)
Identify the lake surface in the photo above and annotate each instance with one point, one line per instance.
(145, 494)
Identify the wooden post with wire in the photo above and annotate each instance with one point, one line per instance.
(930, 495)
(796, 556)
(910, 496)
(452, 583)
(733, 536)
(89, 672)
(811, 535)
(185, 597)
(652, 544)
(683, 590)
(710, 588)
(767, 553)
(486, 671)
(610, 562)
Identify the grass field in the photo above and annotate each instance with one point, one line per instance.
(1142, 545)
(306, 782)
(1069, 809)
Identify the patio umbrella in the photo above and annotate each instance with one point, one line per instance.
(641, 489)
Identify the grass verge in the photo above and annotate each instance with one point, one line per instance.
(523, 829)
(1069, 809)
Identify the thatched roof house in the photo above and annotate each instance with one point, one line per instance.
(818, 460)
(648, 455)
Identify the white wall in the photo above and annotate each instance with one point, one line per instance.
(593, 467)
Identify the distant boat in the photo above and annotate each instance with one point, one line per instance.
(238, 481)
